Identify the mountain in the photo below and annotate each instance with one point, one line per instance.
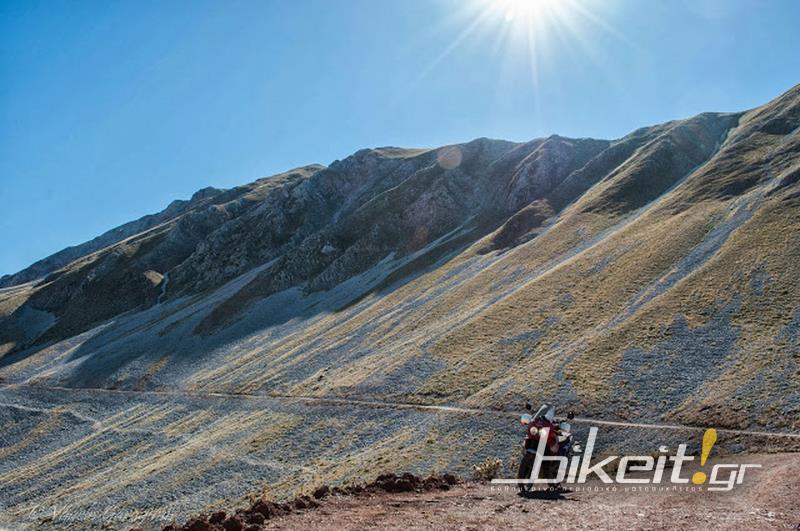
(653, 276)
(394, 309)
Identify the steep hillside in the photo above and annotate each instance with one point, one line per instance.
(656, 272)
(652, 278)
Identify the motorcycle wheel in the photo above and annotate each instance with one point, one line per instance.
(524, 472)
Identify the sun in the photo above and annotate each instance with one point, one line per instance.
(531, 24)
(523, 36)
(529, 29)
(524, 11)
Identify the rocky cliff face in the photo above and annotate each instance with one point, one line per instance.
(661, 266)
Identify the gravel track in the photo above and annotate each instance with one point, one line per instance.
(407, 405)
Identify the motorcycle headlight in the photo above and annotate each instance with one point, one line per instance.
(538, 432)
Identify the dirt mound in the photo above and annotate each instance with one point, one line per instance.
(252, 518)
(409, 482)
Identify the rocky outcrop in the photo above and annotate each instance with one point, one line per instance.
(316, 227)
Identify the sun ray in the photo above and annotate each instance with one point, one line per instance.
(522, 34)
(537, 25)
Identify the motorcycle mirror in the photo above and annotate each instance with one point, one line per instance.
(528, 406)
(570, 415)
(525, 419)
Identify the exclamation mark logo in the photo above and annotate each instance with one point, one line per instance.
(709, 438)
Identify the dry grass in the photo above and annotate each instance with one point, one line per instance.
(488, 469)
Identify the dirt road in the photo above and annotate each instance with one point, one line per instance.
(769, 499)
(395, 405)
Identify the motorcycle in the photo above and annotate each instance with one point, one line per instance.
(558, 441)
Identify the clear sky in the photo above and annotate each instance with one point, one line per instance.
(110, 109)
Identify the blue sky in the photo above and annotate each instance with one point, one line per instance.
(111, 109)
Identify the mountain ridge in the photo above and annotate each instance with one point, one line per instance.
(366, 229)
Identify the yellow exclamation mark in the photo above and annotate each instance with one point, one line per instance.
(709, 438)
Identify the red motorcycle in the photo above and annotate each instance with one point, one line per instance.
(541, 428)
